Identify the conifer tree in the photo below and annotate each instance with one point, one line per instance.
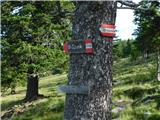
(148, 35)
(32, 38)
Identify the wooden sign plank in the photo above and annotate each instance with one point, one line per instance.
(74, 89)
(78, 46)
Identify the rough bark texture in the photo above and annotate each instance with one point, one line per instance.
(93, 70)
(158, 64)
(32, 87)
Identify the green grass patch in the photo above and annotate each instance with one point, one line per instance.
(135, 81)
(50, 107)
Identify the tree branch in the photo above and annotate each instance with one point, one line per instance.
(129, 4)
(126, 8)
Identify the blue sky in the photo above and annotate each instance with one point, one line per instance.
(124, 23)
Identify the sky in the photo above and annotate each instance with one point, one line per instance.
(124, 23)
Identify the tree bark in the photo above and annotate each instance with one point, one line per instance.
(32, 83)
(158, 64)
(32, 87)
(93, 70)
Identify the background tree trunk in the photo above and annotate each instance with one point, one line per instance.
(32, 87)
(92, 70)
(158, 64)
(32, 83)
(145, 56)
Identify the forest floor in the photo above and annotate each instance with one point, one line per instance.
(136, 95)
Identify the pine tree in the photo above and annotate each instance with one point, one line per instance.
(31, 41)
(148, 35)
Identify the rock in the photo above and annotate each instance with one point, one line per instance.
(146, 115)
(122, 103)
(118, 109)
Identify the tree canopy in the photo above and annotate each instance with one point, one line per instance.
(147, 18)
(32, 37)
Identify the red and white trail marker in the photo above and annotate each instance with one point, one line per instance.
(107, 30)
(88, 44)
(78, 46)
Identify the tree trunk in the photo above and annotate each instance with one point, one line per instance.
(32, 87)
(13, 87)
(158, 64)
(95, 70)
(145, 56)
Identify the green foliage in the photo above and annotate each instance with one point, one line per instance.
(33, 33)
(147, 18)
(124, 49)
(134, 52)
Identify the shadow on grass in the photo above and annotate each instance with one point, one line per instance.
(45, 111)
(8, 105)
(11, 104)
(33, 110)
(139, 92)
(147, 116)
(154, 117)
(61, 82)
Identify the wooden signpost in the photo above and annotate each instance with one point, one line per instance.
(79, 46)
(74, 89)
(84, 46)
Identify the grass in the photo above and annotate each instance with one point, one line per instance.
(47, 108)
(134, 81)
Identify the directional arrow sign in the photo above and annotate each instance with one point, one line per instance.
(78, 46)
(74, 89)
